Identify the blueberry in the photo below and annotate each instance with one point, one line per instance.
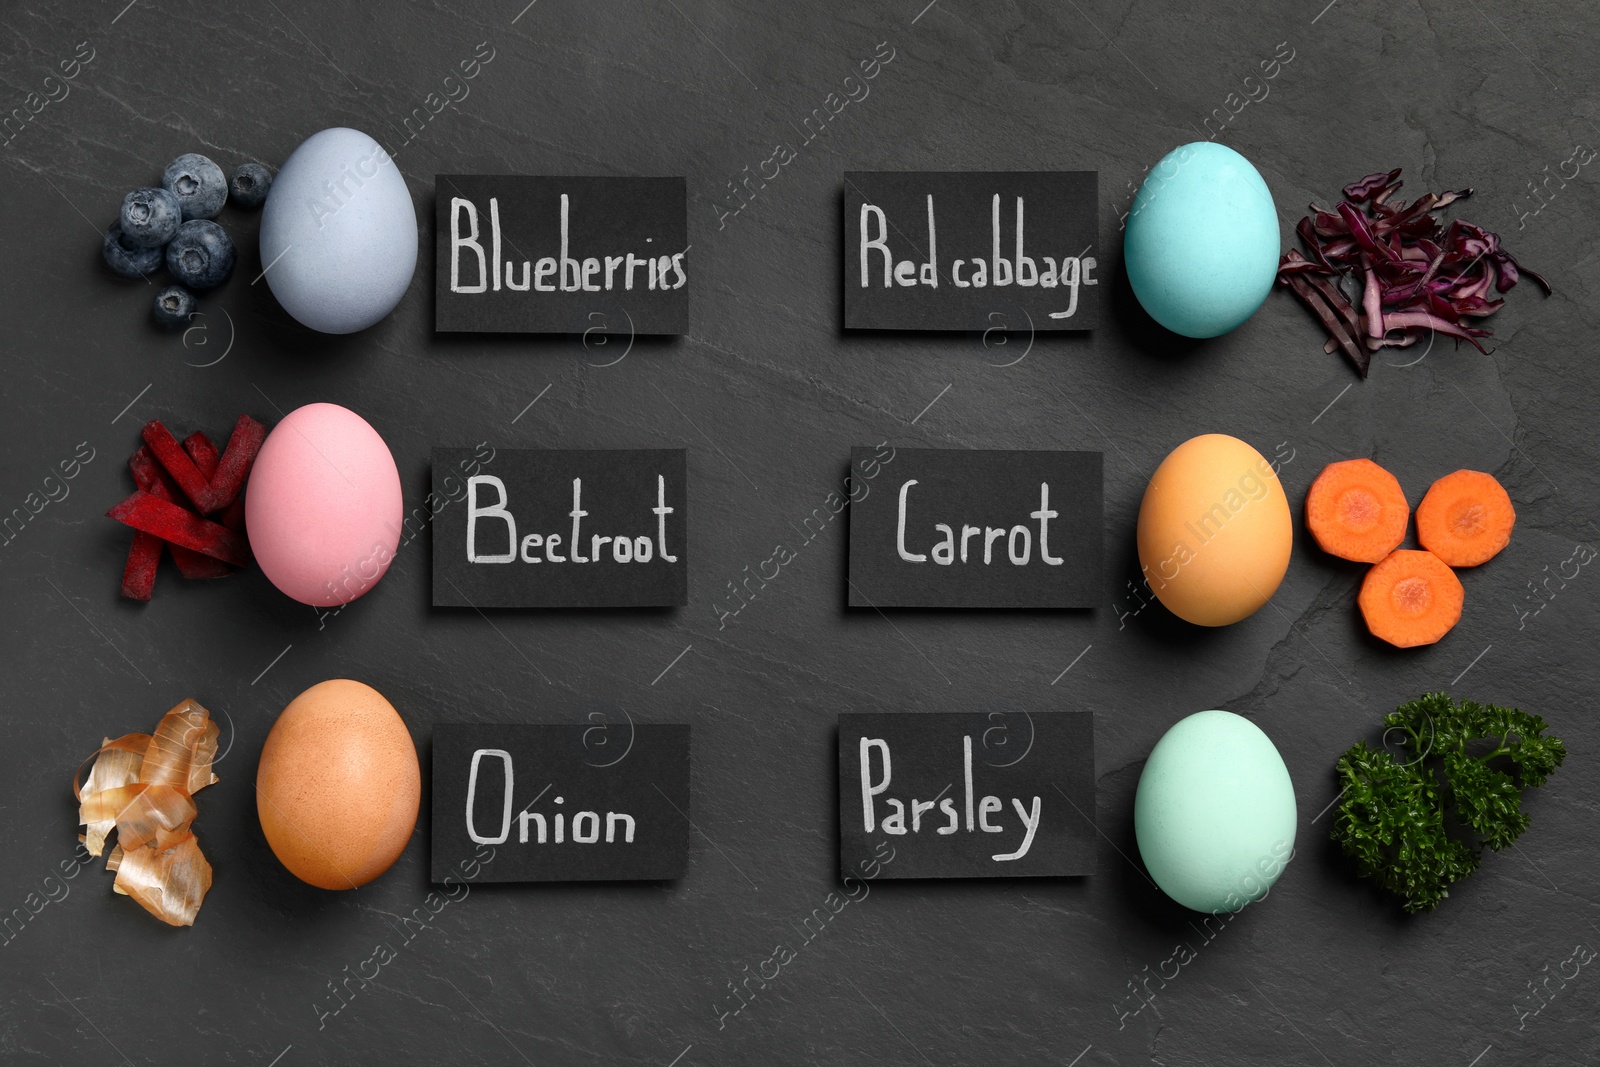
(173, 306)
(198, 184)
(249, 184)
(201, 256)
(128, 260)
(150, 217)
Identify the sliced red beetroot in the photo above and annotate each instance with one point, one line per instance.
(233, 515)
(176, 462)
(197, 565)
(139, 575)
(205, 457)
(203, 452)
(178, 485)
(149, 513)
(234, 466)
(147, 472)
(192, 564)
(148, 475)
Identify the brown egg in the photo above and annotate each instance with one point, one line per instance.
(338, 787)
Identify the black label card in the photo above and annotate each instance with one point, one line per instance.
(521, 254)
(555, 528)
(961, 528)
(980, 794)
(944, 250)
(561, 804)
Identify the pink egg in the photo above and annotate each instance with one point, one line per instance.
(323, 507)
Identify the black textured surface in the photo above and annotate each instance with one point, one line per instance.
(769, 395)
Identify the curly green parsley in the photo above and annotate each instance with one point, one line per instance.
(1417, 826)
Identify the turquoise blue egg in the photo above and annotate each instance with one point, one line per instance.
(1202, 242)
(1215, 812)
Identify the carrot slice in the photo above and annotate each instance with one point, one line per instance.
(1411, 598)
(1357, 510)
(1465, 518)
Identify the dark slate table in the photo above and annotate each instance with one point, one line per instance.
(768, 394)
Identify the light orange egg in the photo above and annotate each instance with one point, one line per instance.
(338, 787)
(1214, 530)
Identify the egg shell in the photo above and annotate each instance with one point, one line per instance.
(1215, 812)
(323, 506)
(1201, 244)
(338, 787)
(1215, 531)
(339, 232)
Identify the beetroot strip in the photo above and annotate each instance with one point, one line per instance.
(234, 466)
(148, 475)
(147, 472)
(232, 516)
(139, 574)
(149, 513)
(203, 452)
(176, 462)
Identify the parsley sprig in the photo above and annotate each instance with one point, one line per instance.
(1417, 824)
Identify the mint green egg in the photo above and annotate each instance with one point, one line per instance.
(1215, 812)
(1202, 244)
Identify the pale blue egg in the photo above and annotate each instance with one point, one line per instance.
(1215, 812)
(339, 233)
(1202, 242)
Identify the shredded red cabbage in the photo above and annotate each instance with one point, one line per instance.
(1415, 275)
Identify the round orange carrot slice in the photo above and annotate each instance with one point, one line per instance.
(1357, 510)
(1411, 598)
(1466, 518)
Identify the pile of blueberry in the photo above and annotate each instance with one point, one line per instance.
(171, 226)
